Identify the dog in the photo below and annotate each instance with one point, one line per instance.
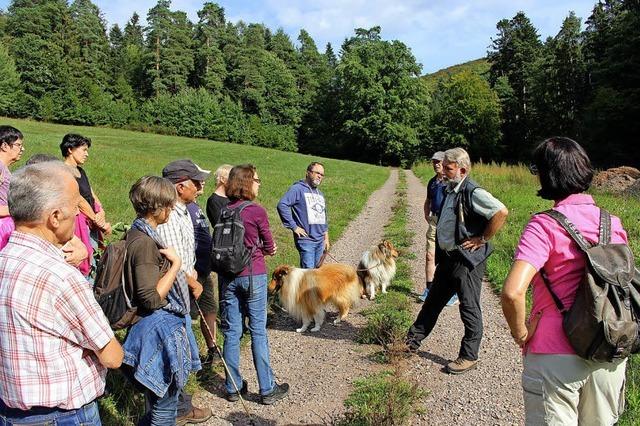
(304, 293)
(377, 268)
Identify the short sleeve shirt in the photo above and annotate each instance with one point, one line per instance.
(483, 203)
(178, 233)
(545, 244)
(51, 326)
(5, 178)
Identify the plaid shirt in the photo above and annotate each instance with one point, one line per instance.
(178, 233)
(50, 326)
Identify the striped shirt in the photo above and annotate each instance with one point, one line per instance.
(178, 233)
(51, 326)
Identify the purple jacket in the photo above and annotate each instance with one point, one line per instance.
(256, 234)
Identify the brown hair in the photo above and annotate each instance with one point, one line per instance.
(240, 182)
(151, 193)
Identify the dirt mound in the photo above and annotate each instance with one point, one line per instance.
(617, 180)
(633, 190)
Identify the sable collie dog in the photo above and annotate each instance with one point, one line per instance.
(377, 267)
(305, 293)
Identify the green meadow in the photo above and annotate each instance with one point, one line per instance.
(517, 188)
(117, 158)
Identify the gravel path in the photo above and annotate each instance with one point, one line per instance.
(319, 367)
(490, 394)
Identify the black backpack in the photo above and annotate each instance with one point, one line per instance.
(603, 322)
(110, 289)
(229, 256)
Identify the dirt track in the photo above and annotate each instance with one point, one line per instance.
(320, 367)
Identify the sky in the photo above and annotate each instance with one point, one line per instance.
(440, 33)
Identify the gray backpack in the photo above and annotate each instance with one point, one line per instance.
(603, 322)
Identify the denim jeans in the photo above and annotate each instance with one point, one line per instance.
(310, 252)
(234, 298)
(86, 415)
(160, 411)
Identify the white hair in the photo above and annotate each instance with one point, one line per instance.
(222, 172)
(36, 188)
(458, 156)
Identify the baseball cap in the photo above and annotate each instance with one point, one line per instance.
(181, 170)
(438, 156)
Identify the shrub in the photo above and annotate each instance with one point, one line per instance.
(381, 399)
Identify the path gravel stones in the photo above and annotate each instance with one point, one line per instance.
(320, 367)
(490, 394)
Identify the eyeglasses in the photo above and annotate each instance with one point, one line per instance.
(533, 169)
(318, 173)
(20, 145)
(257, 180)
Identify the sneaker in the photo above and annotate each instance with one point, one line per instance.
(196, 415)
(211, 357)
(453, 301)
(279, 391)
(424, 295)
(233, 396)
(461, 365)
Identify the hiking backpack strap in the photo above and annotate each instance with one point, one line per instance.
(604, 237)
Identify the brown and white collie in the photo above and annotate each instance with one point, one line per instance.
(304, 293)
(377, 267)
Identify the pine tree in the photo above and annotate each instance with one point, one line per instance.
(210, 71)
(91, 43)
(170, 57)
(514, 51)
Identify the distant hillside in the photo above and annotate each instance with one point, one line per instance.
(477, 66)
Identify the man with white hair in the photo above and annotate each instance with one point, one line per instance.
(56, 342)
(469, 218)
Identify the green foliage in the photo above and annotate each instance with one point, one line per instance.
(466, 113)
(381, 399)
(477, 66)
(9, 82)
(381, 103)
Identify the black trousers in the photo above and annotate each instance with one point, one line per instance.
(453, 276)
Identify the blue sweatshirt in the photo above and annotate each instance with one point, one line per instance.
(305, 207)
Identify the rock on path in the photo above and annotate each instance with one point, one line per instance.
(490, 394)
(320, 367)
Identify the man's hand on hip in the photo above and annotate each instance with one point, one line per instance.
(301, 233)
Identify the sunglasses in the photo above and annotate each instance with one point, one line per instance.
(257, 180)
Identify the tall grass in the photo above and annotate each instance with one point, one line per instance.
(517, 188)
(119, 157)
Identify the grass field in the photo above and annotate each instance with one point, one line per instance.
(517, 188)
(117, 158)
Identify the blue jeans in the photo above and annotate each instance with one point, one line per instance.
(160, 411)
(235, 299)
(86, 415)
(310, 252)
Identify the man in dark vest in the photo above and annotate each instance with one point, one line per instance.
(469, 218)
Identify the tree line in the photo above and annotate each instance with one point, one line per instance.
(245, 83)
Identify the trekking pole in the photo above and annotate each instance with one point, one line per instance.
(215, 345)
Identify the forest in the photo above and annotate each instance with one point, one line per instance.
(365, 100)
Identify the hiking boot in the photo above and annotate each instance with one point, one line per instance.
(279, 391)
(233, 396)
(211, 357)
(196, 415)
(453, 301)
(461, 365)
